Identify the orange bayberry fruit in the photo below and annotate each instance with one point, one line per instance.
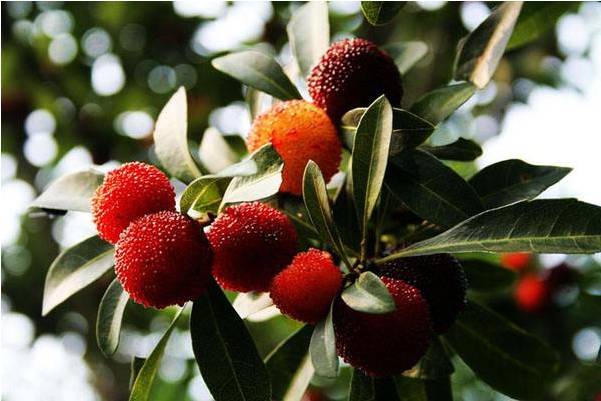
(516, 261)
(532, 293)
(384, 345)
(353, 73)
(163, 259)
(299, 132)
(129, 192)
(252, 242)
(305, 289)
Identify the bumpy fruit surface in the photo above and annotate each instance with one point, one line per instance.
(305, 289)
(252, 242)
(384, 345)
(516, 260)
(129, 192)
(353, 73)
(441, 281)
(299, 132)
(532, 293)
(163, 259)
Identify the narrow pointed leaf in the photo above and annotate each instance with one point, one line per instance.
(406, 54)
(461, 150)
(539, 226)
(482, 50)
(309, 34)
(501, 354)
(434, 365)
(323, 348)
(290, 367)
(203, 195)
(362, 387)
(70, 192)
(134, 368)
(484, 276)
(142, 385)
(110, 315)
(513, 180)
(76, 268)
(259, 71)
(381, 12)
(257, 101)
(431, 189)
(225, 352)
(370, 156)
(437, 105)
(171, 139)
(369, 294)
(249, 303)
(214, 152)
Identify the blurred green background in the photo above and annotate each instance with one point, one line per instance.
(82, 83)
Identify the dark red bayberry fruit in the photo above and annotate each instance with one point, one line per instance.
(252, 242)
(388, 344)
(305, 289)
(441, 281)
(163, 259)
(127, 193)
(353, 73)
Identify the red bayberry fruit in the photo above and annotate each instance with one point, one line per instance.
(516, 261)
(384, 345)
(299, 132)
(129, 192)
(353, 73)
(305, 289)
(252, 242)
(532, 293)
(163, 259)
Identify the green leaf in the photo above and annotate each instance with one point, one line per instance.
(225, 352)
(437, 105)
(257, 101)
(536, 19)
(134, 368)
(249, 303)
(461, 150)
(539, 226)
(171, 140)
(366, 388)
(431, 189)
(408, 129)
(410, 389)
(214, 152)
(309, 34)
(318, 207)
(480, 52)
(142, 385)
(289, 366)
(381, 12)
(513, 180)
(369, 294)
(76, 268)
(110, 315)
(256, 178)
(484, 276)
(203, 195)
(434, 365)
(70, 192)
(370, 156)
(406, 54)
(501, 354)
(259, 71)
(323, 348)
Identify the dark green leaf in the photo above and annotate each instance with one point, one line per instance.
(249, 303)
(171, 140)
(323, 348)
(214, 152)
(110, 315)
(203, 195)
(431, 189)
(289, 366)
(485, 276)
(408, 130)
(381, 12)
(134, 368)
(539, 226)
(70, 192)
(259, 71)
(76, 268)
(461, 150)
(434, 365)
(536, 19)
(513, 180)
(501, 354)
(309, 34)
(410, 389)
(142, 385)
(437, 105)
(369, 294)
(482, 50)
(225, 353)
(406, 54)
(370, 156)
(362, 387)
